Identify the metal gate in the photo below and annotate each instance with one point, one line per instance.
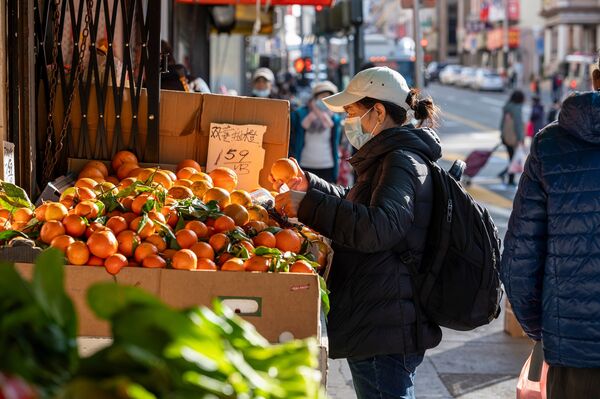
(89, 52)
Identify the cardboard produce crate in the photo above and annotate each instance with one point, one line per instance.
(281, 306)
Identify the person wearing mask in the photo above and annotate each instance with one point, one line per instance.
(315, 135)
(262, 83)
(511, 129)
(372, 321)
(550, 266)
(537, 115)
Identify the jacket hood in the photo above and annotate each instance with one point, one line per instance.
(580, 116)
(422, 140)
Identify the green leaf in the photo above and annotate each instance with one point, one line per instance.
(149, 205)
(143, 223)
(324, 295)
(180, 223)
(262, 251)
(10, 234)
(165, 229)
(13, 197)
(273, 229)
(101, 207)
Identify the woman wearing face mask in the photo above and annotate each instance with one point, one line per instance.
(315, 135)
(386, 213)
(262, 83)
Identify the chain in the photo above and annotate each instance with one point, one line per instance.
(54, 158)
(53, 84)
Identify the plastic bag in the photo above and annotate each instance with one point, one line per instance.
(529, 129)
(532, 381)
(517, 165)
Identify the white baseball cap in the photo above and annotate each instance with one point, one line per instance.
(265, 73)
(325, 86)
(380, 83)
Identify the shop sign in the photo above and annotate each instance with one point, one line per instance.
(322, 3)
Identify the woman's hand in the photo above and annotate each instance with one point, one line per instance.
(298, 183)
(288, 203)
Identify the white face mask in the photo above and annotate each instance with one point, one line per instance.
(261, 93)
(354, 132)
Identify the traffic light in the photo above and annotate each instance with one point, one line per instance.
(303, 65)
(424, 42)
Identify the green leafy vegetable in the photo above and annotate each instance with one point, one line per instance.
(13, 197)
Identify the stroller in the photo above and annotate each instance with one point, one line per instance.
(476, 161)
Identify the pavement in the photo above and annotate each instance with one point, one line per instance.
(483, 363)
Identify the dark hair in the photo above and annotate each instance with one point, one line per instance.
(425, 110)
(517, 97)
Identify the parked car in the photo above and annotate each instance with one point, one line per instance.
(466, 78)
(433, 70)
(450, 74)
(487, 80)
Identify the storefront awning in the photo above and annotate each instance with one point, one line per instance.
(323, 3)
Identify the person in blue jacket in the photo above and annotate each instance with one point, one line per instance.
(316, 134)
(551, 262)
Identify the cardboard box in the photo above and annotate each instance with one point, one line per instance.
(185, 120)
(281, 306)
(511, 325)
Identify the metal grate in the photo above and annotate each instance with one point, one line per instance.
(122, 58)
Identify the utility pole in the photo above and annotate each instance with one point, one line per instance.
(505, 27)
(356, 18)
(418, 49)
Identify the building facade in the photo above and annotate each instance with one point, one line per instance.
(571, 27)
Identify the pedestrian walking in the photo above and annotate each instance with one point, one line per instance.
(553, 113)
(537, 115)
(372, 321)
(557, 84)
(511, 130)
(316, 133)
(550, 266)
(263, 82)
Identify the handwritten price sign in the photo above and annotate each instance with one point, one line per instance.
(238, 147)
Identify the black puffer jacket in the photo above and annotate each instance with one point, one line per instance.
(384, 214)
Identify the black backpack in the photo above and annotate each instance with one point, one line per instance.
(457, 281)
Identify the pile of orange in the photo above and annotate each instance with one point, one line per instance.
(146, 228)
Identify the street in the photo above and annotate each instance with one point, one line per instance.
(483, 363)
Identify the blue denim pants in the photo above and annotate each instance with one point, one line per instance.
(385, 376)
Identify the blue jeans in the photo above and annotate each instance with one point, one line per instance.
(385, 376)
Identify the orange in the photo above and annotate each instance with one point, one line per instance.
(22, 215)
(233, 265)
(113, 179)
(145, 174)
(139, 202)
(126, 183)
(5, 213)
(103, 244)
(78, 253)
(288, 240)
(180, 192)
(168, 253)
(93, 227)
(206, 264)
(106, 187)
(199, 188)
(128, 242)
(218, 241)
(188, 163)
(272, 223)
(50, 230)
(134, 172)
(129, 216)
(248, 245)
(241, 197)
(186, 238)
(87, 209)
(98, 165)
(171, 174)
(257, 264)
(127, 202)
(40, 212)
(284, 169)
(238, 213)
(156, 216)
(92, 173)
(74, 225)
(186, 172)
(162, 177)
(62, 242)
(122, 157)
(265, 239)
(224, 223)
(258, 213)
(117, 224)
(173, 217)
(125, 169)
(144, 250)
(197, 227)
(255, 226)
(84, 193)
(203, 250)
(148, 229)
(19, 226)
(158, 241)
(55, 211)
(225, 178)
(201, 176)
(95, 261)
(154, 261)
(184, 259)
(115, 263)
(183, 183)
(301, 266)
(86, 182)
(217, 194)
